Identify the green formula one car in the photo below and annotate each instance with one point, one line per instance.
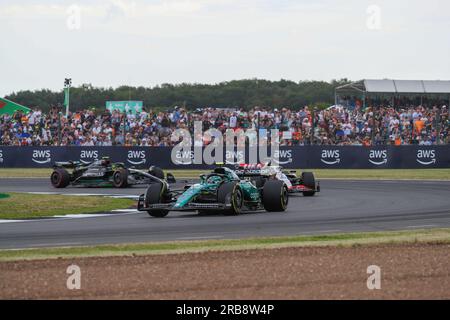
(221, 190)
(103, 173)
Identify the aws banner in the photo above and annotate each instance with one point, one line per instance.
(44, 157)
(387, 157)
(343, 157)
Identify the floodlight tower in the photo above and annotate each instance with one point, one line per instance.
(67, 84)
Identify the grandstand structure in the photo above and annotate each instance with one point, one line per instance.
(393, 92)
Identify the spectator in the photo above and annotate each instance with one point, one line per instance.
(337, 125)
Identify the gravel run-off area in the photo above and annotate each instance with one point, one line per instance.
(408, 271)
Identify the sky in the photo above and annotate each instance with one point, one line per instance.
(146, 43)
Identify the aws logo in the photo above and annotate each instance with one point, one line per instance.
(234, 157)
(282, 156)
(87, 156)
(426, 157)
(330, 157)
(136, 157)
(184, 157)
(378, 157)
(41, 156)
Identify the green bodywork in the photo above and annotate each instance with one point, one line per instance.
(209, 185)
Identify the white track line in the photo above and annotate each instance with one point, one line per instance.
(422, 226)
(50, 245)
(321, 231)
(199, 238)
(74, 216)
(8, 221)
(123, 196)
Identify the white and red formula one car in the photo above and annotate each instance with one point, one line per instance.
(260, 173)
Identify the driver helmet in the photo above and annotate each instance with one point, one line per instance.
(106, 161)
(214, 180)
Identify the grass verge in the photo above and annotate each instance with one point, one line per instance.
(29, 206)
(362, 174)
(344, 239)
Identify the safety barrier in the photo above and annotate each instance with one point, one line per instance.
(356, 157)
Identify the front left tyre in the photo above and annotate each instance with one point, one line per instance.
(154, 195)
(60, 178)
(230, 192)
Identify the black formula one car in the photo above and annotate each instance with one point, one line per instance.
(103, 173)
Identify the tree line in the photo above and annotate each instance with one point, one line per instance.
(237, 93)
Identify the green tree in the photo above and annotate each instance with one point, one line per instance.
(237, 93)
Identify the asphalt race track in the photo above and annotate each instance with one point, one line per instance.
(342, 206)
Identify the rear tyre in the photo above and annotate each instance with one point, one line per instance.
(275, 196)
(309, 181)
(156, 171)
(230, 192)
(154, 195)
(60, 178)
(120, 178)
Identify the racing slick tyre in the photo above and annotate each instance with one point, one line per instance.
(310, 182)
(231, 192)
(120, 178)
(156, 171)
(60, 178)
(275, 196)
(153, 195)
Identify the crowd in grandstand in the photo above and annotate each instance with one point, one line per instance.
(337, 125)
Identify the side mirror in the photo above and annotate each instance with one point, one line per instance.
(170, 178)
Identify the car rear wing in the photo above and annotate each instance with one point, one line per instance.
(250, 170)
(67, 164)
